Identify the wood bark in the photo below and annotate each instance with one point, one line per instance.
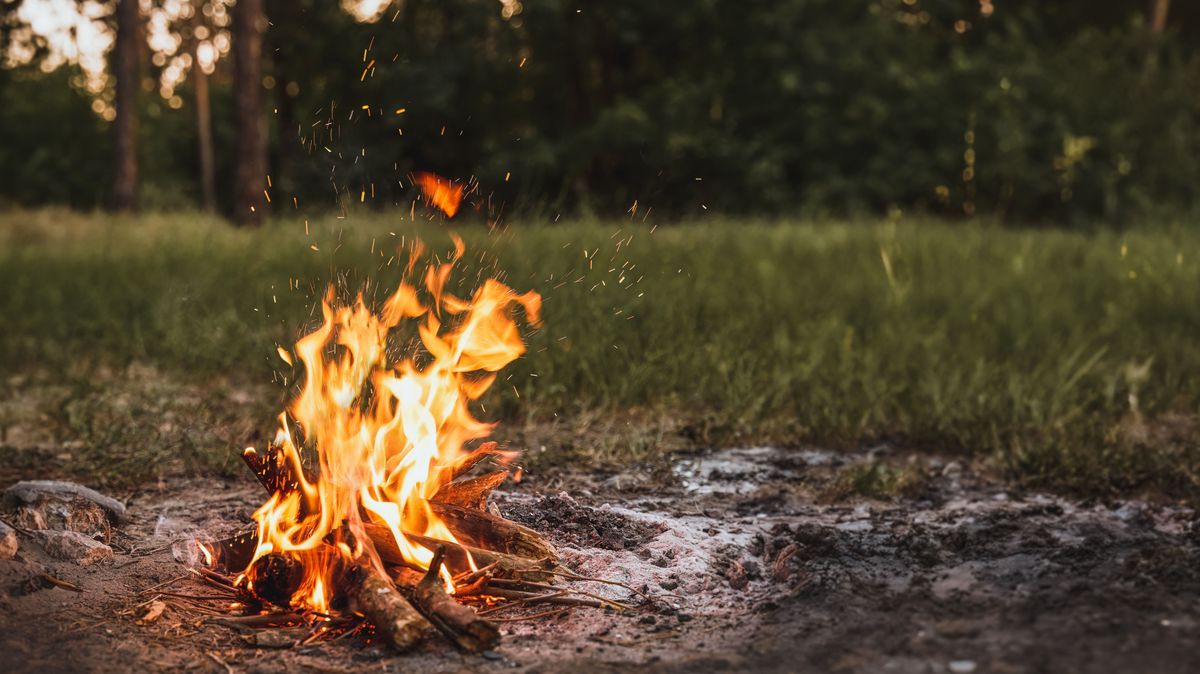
(204, 140)
(459, 623)
(250, 152)
(472, 492)
(1158, 15)
(458, 557)
(396, 620)
(485, 530)
(125, 70)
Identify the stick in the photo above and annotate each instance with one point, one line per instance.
(395, 619)
(467, 630)
(248, 622)
(485, 530)
(471, 493)
(554, 598)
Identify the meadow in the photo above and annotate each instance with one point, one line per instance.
(1060, 359)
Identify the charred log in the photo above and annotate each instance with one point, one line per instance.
(472, 492)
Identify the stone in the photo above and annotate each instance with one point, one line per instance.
(64, 513)
(72, 546)
(8, 542)
(32, 491)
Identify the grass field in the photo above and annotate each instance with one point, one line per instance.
(1067, 359)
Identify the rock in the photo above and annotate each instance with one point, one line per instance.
(73, 546)
(962, 666)
(64, 513)
(31, 491)
(8, 541)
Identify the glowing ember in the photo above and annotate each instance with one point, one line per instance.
(440, 192)
(383, 433)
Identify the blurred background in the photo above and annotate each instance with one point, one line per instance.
(1071, 112)
(958, 226)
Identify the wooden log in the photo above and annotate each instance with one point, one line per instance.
(459, 623)
(276, 578)
(396, 621)
(233, 554)
(484, 530)
(271, 470)
(472, 492)
(458, 557)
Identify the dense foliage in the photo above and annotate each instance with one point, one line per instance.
(1065, 111)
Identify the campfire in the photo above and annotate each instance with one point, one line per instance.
(377, 518)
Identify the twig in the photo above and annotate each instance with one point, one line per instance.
(200, 597)
(587, 599)
(20, 530)
(221, 662)
(588, 579)
(163, 584)
(534, 616)
(260, 620)
(59, 582)
(521, 601)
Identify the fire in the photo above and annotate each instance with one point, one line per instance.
(440, 192)
(383, 431)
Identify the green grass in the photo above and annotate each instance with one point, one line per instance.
(1067, 359)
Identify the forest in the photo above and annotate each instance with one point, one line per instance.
(1076, 113)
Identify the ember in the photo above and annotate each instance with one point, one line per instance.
(372, 508)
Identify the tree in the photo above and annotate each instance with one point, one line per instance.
(204, 141)
(250, 153)
(1158, 15)
(125, 70)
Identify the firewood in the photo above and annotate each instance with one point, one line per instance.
(396, 621)
(276, 578)
(485, 530)
(458, 557)
(470, 493)
(460, 623)
(271, 470)
(233, 554)
(466, 463)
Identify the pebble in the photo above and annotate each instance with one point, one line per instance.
(962, 666)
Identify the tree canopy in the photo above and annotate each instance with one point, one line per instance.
(1065, 111)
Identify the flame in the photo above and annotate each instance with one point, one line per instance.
(383, 432)
(440, 192)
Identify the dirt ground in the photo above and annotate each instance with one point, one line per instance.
(748, 564)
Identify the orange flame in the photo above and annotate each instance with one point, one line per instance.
(384, 432)
(440, 192)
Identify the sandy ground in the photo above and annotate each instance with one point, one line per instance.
(746, 567)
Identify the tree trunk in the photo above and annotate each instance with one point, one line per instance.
(1158, 15)
(250, 154)
(1158, 23)
(125, 67)
(204, 142)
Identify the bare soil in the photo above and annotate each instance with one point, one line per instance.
(746, 563)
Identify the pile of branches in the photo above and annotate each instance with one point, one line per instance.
(497, 564)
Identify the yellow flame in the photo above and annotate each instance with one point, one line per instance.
(382, 431)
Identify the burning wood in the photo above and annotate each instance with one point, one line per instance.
(371, 509)
(395, 619)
